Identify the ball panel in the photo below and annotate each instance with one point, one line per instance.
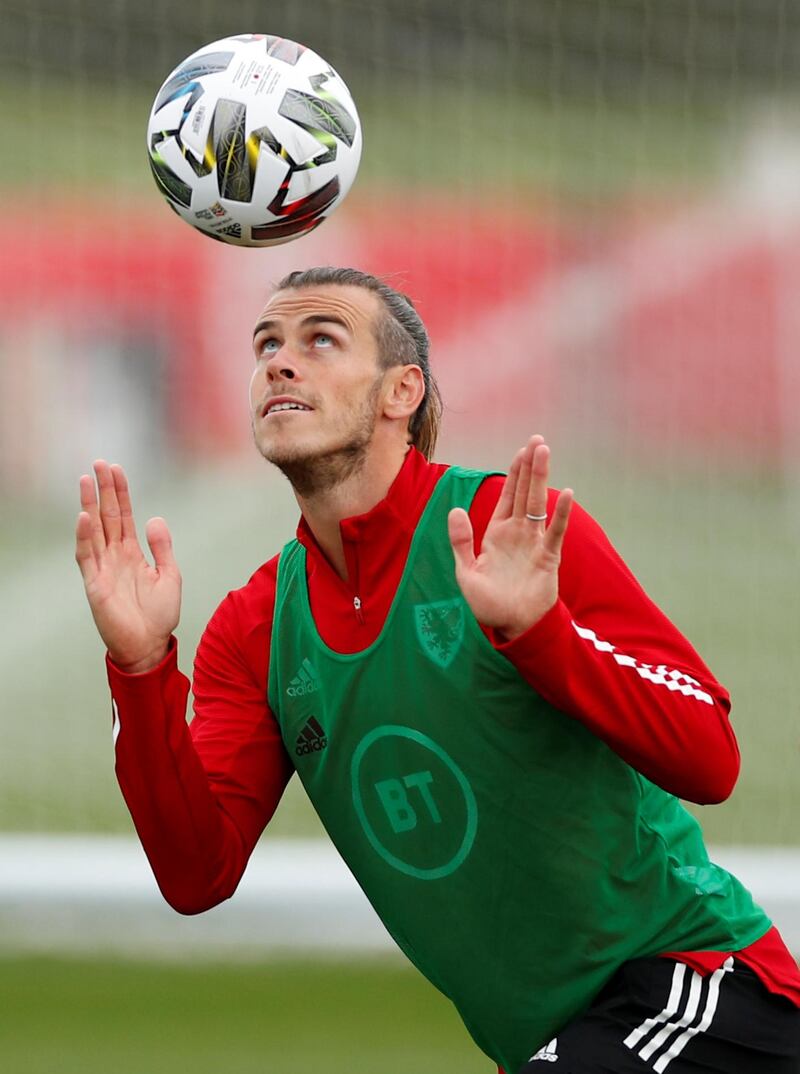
(171, 186)
(283, 49)
(318, 114)
(190, 73)
(229, 151)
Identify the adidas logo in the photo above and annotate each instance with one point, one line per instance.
(548, 1053)
(312, 738)
(304, 682)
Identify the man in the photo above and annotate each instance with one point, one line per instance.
(488, 713)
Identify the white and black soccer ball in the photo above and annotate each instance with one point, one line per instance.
(254, 140)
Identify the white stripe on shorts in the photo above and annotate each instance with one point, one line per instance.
(671, 1008)
(676, 1023)
(680, 1042)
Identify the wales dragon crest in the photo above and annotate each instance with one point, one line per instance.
(440, 629)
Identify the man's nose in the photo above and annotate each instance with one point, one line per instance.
(283, 365)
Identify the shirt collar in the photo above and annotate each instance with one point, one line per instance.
(395, 510)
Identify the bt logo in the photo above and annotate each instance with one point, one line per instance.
(397, 803)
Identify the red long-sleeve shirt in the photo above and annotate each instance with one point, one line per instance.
(200, 795)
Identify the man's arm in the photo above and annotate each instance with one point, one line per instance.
(200, 796)
(198, 806)
(606, 655)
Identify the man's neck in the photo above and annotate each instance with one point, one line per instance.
(354, 496)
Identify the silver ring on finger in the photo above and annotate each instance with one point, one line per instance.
(537, 518)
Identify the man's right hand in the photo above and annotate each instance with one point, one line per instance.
(136, 607)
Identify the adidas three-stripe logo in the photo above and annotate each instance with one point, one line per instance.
(304, 682)
(690, 1008)
(311, 739)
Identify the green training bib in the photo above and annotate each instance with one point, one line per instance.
(513, 856)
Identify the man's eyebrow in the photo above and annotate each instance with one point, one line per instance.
(312, 318)
(262, 326)
(326, 318)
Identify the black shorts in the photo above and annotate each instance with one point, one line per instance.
(656, 1016)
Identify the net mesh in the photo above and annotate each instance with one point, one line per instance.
(595, 206)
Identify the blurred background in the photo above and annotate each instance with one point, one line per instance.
(595, 205)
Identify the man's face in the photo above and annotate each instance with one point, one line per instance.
(314, 395)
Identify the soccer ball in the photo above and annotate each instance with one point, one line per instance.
(254, 140)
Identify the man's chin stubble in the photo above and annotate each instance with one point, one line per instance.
(311, 475)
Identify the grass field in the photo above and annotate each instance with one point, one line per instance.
(98, 1017)
(583, 149)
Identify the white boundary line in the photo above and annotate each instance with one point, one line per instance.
(96, 893)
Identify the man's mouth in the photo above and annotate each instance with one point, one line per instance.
(281, 404)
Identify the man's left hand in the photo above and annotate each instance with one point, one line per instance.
(513, 581)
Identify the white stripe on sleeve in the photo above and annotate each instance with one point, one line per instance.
(115, 724)
(659, 675)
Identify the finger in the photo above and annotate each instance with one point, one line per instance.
(160, 542)
(554, 537)
(505, 503)
(127, 523)
(537, 486)
(109, 504)
(459, 529)
(84, 551)
(522, 495)
(89, 505)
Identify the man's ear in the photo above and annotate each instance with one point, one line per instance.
(404, 390)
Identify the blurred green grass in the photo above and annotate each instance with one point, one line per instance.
(717, 551)
(95, 1017)
(415, 134)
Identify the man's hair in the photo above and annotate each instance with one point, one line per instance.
(401, 338)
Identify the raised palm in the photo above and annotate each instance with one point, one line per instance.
(513, 581)
(135, 606)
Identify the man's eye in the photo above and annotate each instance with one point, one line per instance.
(269, 346)
(323, 340)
